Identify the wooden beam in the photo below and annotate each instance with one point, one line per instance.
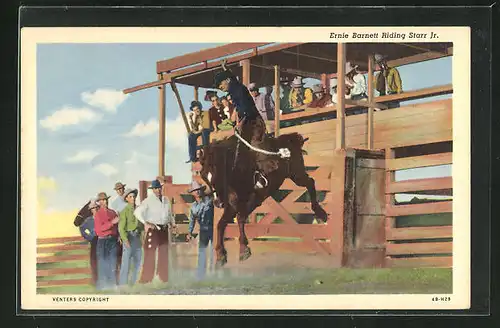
(418, 58)
(162, 122)
(420, 233)
(204, 55)
(245, 66)
(409, 186)
(364, 103)
(291, 71)
(341, 56)
(181, 107)
(419, 248)
(196, 93)
(371, 92)
(419, 161)
(331, 60)
(420, 262)
(425, 208)
(419, 47)
(147, 85)
(276, 101)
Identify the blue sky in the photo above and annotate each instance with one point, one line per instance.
(90, 135)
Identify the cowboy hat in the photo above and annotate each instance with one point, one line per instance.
(379, 58)
(317, 88)
(102, 196)
(155, 184)
(349, 68)
(209, 94)
(333, 83)
(93, 204)
(221, 76)
(252, 87)
(297, 82)
(129, 191)
(119, 185)
(195, 103)
(195, 185)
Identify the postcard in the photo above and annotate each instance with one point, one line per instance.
(248, 168)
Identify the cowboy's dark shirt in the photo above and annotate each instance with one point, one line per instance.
(242, 99)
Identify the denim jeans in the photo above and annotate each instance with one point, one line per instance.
(204, 249)
(131, 259)
(106, 262)
(193, 139)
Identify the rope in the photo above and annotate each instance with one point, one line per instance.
(282, 152)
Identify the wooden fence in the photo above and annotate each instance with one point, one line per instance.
(430, 243)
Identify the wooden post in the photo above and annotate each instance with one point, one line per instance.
(162, 122)
(181, 107)
(341, 96)
(370, 101)
(325, 82)
(245, 65)
(276, 101)
(196, 93)
(390, 199)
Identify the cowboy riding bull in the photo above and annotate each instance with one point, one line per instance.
(241, 177)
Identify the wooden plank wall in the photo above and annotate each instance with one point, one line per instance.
(422, 246)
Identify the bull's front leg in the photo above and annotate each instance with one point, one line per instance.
(220, 250)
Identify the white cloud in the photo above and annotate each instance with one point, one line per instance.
(83, 156)
(105, 99)
(138, 157)
(69, 116)
(176, 134)
(142, 129)
(106, 169)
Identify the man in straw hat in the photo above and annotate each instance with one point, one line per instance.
(387, 81)
(117, 203)
(105, 222)
(251, 126)
(299, 95)
(130, 230)
(355, 82)
(202, 210)
(155, 213)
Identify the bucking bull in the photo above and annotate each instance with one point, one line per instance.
(233, 187)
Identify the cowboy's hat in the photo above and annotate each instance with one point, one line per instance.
(129, 191)
(379, 58)
(252, 87)
(317, 88)
(221, 76)
(195, 103)
(119, 185)
(102, 196)
(195, 185)
(349, 68)
(93, 204)
(155, 184)
(297, 82)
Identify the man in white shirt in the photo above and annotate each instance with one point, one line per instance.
(355, 82)
(116, 203)
(155, 213)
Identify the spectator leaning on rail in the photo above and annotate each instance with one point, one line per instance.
(263, 105)
(321, 98)
(197, 129)
(229, 116)
(285, 95)
(216, 112)
(251, 126)
(105, 221)
(130, 230)
(155, 213)
(355, 83)
(387, 81)
(87, 231)
(299, 95)
(202, 211)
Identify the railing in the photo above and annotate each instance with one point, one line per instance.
(427, 243)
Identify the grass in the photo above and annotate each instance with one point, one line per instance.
(304, 281)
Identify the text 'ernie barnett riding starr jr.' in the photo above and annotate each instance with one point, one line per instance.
(384, 35)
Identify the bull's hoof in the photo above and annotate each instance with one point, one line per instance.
(221, 261)
(320, 213)
(245, 254)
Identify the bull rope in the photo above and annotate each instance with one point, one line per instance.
(282, 152)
